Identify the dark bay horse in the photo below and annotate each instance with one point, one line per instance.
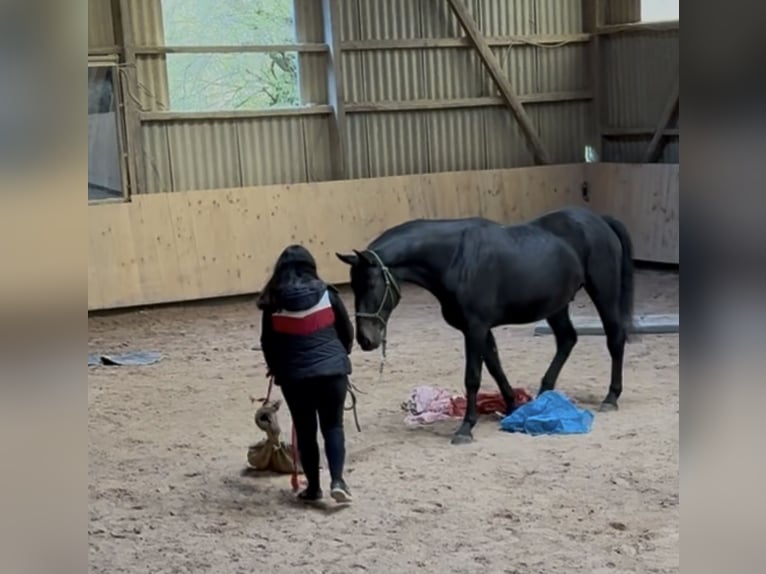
(485, 274)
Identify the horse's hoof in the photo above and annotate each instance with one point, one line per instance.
(608, 407)
(461, 439)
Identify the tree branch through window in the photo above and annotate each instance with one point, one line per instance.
(244, 81)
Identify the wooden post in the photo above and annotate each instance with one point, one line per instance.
(136, 172)
(591, 19)
(667, 113)
(335, 88)
(502, 83)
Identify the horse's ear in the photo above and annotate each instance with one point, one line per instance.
(365, 257)
(348, 259)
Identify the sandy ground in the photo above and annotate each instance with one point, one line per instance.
(167, 443)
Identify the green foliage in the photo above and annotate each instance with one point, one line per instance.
(208, 82)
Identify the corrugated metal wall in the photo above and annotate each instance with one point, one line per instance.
(151, 69)
(620, 11)
(395, 143)
(638, 71)
(215, 153)
(457, 139)
(184, 154)
(100, 25)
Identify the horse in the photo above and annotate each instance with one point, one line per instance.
(485, 274)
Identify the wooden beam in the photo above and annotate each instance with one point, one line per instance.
(264, 49)
(110, 60)
(462, 42)
(234, 114)
(667, 113)
(117, 23)
(638, 27)
(461, 103)
(366, 107)
(330, 17)
(104, 51)
(136, 169)
(591, 17)
(637, 132)
(493, 66)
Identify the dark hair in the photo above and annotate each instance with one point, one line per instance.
(294, 265)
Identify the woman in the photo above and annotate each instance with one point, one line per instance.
(306, 337)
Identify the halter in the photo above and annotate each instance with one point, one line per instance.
(392, 290)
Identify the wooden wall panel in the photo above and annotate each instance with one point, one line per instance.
(200, 244)
(645, 197)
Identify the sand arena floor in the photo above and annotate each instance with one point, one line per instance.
(167, 443)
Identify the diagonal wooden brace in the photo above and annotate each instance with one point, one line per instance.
(501, 81)
(667, 113)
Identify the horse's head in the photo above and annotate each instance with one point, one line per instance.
(376, 294)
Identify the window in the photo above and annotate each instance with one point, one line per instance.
(105, 156)
(246, 80)
(659, 10)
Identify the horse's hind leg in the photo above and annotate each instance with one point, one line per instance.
(566, 338)
(616, 336)
(615, 342)
(492, 360)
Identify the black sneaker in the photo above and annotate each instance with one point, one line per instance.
(340, 492)
(310, 494)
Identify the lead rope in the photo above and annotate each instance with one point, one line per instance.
(268, 392)
(382, 354)
(352, 394)
(294, 442)
(294, 451)
(353, 389)
(392, 288)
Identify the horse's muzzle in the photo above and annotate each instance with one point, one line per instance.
(369, 333)
(366, 343)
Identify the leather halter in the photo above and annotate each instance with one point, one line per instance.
(393, 291)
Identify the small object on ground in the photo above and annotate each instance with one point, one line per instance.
(270, 454)
(643, 325)
(550, 413)
(131, 358)
(428, 404)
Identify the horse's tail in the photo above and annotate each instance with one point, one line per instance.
(627, 289)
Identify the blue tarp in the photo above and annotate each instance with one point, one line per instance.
(550, 413)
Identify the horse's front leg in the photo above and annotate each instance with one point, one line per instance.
(492, 360)
(474, 343)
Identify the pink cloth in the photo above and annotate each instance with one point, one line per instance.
(428, 404)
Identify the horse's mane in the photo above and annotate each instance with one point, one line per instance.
(395, 231)
(401, 230)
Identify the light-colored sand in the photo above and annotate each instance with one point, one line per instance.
(167, 443)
